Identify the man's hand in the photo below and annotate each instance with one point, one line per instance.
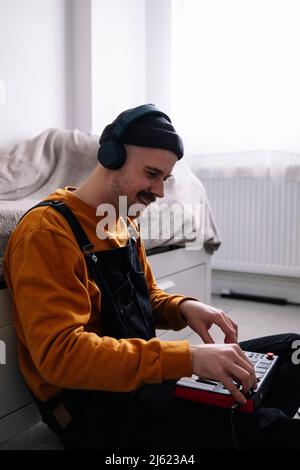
(200, 317)
(224, 363)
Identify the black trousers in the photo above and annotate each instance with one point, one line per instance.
(151, 418)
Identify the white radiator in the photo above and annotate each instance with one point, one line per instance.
(259, 222)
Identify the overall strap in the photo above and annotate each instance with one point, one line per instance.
(83, 241)
(81, 237)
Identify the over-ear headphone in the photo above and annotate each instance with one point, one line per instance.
(112, 153)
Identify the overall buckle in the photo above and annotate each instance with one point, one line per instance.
(89, 250)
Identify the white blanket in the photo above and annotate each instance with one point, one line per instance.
(54, 159)
(57, 158)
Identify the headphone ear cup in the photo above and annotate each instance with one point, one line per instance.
(111, 155)
(120, 153)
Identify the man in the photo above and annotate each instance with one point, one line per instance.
(86, 307)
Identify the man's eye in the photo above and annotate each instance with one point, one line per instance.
(152, 175)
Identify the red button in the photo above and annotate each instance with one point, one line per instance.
(270, 356)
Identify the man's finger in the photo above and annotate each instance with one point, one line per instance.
(245, 364)
(243, 377)
(232, 388)
(232, 337)
(206, 337)
(234, 325)
(227, 328)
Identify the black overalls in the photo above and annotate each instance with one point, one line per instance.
(125, 303)
(151, 417)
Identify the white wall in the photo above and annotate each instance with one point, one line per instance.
(33, 64)
(80, 39)
(118, 58)
(69, 64)
(158, 53)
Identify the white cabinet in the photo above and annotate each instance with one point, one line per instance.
(188, 282)
(182, 271)
(17, 410)
(5, 308)
(186, 272)
(14, 394)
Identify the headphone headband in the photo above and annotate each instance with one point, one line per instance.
(112, 154)
(133, 115)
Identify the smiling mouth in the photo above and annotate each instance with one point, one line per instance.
(145, 199)
(145, 203)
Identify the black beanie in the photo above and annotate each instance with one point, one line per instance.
(150, 130)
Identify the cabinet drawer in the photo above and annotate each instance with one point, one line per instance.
(5, 307)
(190, 282)
(169, 262)
(13, 390)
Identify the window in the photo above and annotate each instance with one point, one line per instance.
(235, 74)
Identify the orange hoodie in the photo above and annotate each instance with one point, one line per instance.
(56, 310)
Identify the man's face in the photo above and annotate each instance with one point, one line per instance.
(143, 175)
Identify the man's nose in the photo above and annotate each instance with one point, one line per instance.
(158, 189)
